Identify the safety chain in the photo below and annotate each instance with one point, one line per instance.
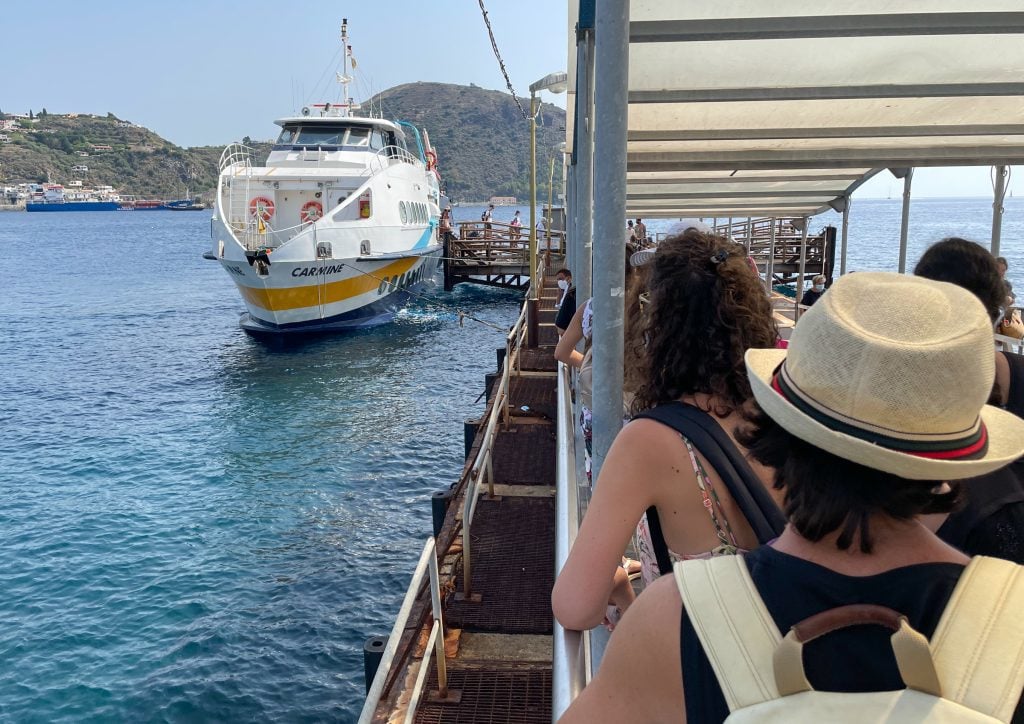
(501, 63)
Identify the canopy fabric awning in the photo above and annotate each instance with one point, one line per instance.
(744, 108)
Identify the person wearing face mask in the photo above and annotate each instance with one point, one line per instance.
(815, 292)
(566, 304)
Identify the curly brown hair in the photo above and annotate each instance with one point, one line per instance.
(707, 308)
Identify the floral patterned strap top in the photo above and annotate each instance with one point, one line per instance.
(726, 539)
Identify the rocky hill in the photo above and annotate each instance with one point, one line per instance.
(481, 137)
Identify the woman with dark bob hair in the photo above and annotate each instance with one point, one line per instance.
(879, 397)
(706, 308)
(991, 520)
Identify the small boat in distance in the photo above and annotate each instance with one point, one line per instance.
(337, 228)
(184, 205)
(53, 197)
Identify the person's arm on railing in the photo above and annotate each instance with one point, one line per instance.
(566, 350)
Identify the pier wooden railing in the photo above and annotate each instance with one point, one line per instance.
(499, 256)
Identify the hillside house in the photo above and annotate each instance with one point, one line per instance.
(4, 138)
(101, 147)
(80, 169)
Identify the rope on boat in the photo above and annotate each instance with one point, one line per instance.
(460, 313)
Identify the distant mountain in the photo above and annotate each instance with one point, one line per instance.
(482, 140)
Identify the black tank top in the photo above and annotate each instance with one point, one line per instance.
(855, 659)
(1015, 399)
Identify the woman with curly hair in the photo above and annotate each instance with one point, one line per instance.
(706, 308)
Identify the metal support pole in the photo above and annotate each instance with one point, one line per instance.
(846, 230)
(800, 275)
(747, 240)
(531, 315)
(550, 215)
(585, 170)
(610, 105)
(769, 269)
(997, 208)
(571, 239)
(905, 220)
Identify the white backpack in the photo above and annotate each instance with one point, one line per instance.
(972, 671)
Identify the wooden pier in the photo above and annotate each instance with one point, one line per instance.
(494, 254)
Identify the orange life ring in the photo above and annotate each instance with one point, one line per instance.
(311, 212)
(431, 160)
(262, 207)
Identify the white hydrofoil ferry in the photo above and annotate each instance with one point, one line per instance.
(337, 228)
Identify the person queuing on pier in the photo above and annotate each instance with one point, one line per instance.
(641, 232)
(445, 225)
(860, 452)
(1011, 298)
(566, 304)
(630, 233)
(516, 226)
(814, 293)
(485, 217)
(684, 356)
(991, 522)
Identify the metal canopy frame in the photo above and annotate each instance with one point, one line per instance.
(745, 109)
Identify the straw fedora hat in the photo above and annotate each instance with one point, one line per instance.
(892, 372)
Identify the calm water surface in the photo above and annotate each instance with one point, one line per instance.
(196, 526)
(199, 527)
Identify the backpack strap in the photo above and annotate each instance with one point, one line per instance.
(977, 644)
(733, 625)
(752, 498)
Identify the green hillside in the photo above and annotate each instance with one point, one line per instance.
(481, 138)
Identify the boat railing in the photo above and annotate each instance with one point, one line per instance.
(236, 154)
(570, 650)
(1006, 343)
(386, 157)
(253, 236)
(426, 570)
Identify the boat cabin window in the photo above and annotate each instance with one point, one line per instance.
(358, 137)
(324, 136)
(377, 141)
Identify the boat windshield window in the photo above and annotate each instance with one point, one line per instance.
(377, 140)
(286, 137)
(320, 136)
(358, 137)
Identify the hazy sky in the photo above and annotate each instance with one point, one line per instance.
(210, 72)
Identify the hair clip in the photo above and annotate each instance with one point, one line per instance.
(719, 256)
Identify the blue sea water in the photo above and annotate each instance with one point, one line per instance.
(197, 526)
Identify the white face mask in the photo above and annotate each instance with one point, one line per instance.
(817, 287)
(563, 284)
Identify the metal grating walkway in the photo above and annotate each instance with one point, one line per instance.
(491, 695)
(537, 393)
(513, 545)
(524, 455)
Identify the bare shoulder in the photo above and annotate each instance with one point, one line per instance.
(640, 678)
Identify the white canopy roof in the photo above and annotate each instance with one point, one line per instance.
(747, 108)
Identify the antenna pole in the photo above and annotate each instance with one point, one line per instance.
(344, 65)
